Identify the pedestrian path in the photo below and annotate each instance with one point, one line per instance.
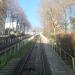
(9, 68)
(57, 65)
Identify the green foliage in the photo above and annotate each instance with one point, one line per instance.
(7, 31)
(73, 20)
(5, 58)
(23, 50)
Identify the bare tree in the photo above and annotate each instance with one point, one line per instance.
(54, 14)
(7, 10)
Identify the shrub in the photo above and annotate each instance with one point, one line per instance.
(66, 41)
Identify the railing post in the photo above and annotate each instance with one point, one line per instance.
(73, 63)
(22, 43)
(60, 51)
(14, 50)
(5, 55)
(18, 46)
(10, 51)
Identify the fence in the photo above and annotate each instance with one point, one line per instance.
(10, 40)
(8, 53)
(68, 59)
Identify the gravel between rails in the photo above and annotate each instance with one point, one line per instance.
(34, 63)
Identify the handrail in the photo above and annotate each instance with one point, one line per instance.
(72, 58)
(7, 49)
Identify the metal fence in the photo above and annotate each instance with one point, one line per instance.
(10, 52)
(68, 59)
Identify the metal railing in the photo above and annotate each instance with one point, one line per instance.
(68, 59)
(10, 52)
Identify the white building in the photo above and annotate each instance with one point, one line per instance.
(10, 25)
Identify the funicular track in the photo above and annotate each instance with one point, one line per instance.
(34, 63)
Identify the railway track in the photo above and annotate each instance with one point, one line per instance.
(34, 63)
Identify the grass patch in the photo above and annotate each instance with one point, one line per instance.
(5, 58)
(23, 50)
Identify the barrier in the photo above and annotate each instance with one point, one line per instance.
(11, 51)
(68, 59)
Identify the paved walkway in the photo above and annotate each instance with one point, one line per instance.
(57, 65)
(9, 69)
